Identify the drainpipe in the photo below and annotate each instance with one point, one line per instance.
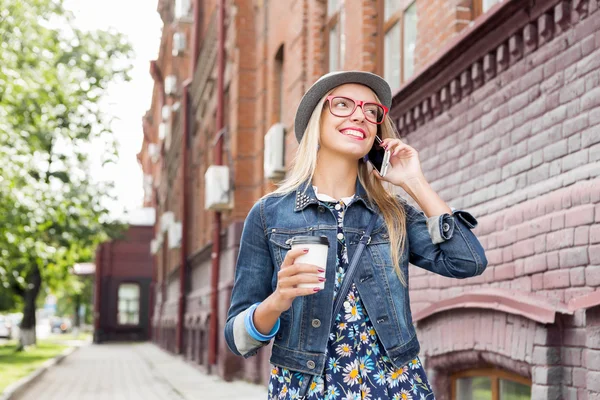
(218, 160)
(187, 117)
(157, 76)
(184, 219)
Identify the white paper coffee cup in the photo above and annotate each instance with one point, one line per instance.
(318, 247)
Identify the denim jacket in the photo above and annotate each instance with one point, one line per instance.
(443, 244)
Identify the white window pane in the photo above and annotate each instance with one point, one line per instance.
(389, 8)
(129, 304)
(334, 49)
(476, 388)
(129, 291)
(410, 40)
(332, 6)
(510, 390)
(487, 4)
(391, 57)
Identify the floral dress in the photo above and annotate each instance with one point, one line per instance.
(357, 366)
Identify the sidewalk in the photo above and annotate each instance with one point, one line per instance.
(132, 372)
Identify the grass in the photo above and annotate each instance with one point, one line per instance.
(66, 337)
(16, 365)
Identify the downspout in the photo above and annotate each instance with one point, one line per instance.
(159, 81)
(184, 220)
(185, 201)
(218, 160)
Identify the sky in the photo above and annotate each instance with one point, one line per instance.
(126, 102)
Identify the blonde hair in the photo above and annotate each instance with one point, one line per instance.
(303, 169)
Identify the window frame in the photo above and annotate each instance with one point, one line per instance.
(139, 316)
(384, 26)
(478, 8)
(495, 375)
(330, 22)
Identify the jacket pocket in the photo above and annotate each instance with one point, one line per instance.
(379, 248)
(281, 244)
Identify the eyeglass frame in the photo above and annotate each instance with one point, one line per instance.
(357, 103)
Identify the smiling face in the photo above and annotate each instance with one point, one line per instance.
(350, 136)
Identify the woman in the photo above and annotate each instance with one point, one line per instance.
(369, 350)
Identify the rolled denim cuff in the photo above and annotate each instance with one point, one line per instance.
(252, 331)
(440, 227)
(245, 344)
(466, 218)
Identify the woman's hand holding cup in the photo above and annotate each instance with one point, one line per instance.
(296, 279)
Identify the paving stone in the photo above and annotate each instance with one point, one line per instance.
(133, 372)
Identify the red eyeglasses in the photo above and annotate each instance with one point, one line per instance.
(345, 107)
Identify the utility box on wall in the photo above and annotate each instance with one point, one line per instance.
(217, 188)
(274, 163)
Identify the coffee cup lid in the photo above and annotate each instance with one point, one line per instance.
(310, 240)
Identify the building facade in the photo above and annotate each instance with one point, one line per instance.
(123, 287)
(500, 98)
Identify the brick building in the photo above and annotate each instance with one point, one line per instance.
(123, 285)
(502, 100)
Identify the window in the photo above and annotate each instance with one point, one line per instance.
(336, 19)
(183, 9)
(490, 384)
(399, 41)
(483, 6)
(129, 304)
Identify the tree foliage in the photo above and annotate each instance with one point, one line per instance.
(52, 79)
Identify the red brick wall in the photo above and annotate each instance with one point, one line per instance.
(519, 147)
(521, 153)
(437, 23)
(509, 147)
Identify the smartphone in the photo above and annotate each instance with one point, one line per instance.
(379, 157)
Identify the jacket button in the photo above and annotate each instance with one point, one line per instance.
(445, 227)
(321, 209)
(310, 364)
(316, 323)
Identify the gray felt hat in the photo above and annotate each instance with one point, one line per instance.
(332, 80)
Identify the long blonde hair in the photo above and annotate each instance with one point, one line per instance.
(303, 169)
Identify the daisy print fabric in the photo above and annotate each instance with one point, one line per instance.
(357, 367)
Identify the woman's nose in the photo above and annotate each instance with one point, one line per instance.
(358, 114)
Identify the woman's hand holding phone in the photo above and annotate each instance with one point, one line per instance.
(404, 163)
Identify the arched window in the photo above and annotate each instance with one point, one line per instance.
(490, 384)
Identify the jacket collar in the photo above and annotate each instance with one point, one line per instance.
(305, 196)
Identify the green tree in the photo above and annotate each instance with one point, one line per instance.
(52, 78)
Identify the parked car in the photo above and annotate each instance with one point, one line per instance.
(5, 327)
(60, 325)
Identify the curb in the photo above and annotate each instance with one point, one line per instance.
(15, 389)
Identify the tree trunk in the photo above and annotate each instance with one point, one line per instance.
(27, 331)
(76, 318)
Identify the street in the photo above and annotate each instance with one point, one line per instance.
(131, 372)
